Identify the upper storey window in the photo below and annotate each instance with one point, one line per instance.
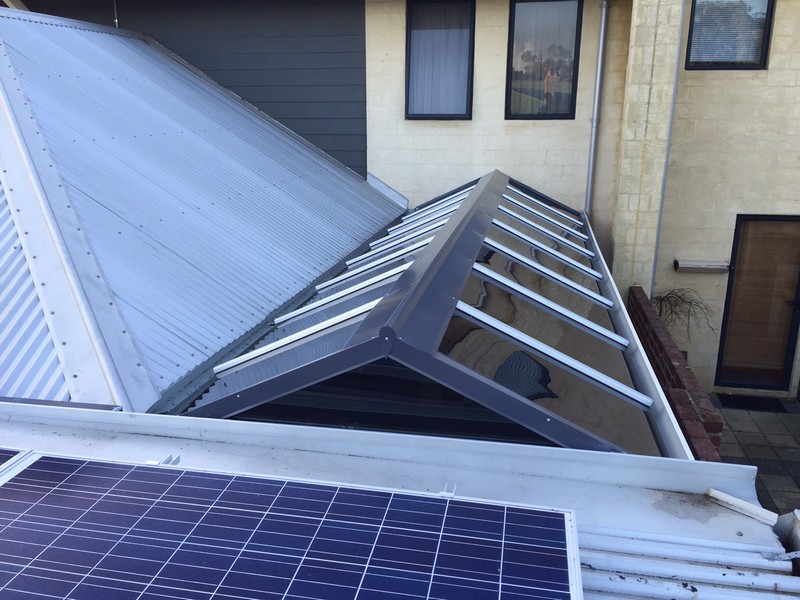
(542, 76)
(729, 34)
(439, 59)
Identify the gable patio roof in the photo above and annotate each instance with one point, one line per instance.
(495, 292)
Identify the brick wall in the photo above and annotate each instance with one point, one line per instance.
(699, 419)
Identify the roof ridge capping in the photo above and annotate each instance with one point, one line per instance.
(43, 19)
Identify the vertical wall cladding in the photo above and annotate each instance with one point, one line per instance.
(301, 62)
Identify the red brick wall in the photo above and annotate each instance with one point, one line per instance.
(699, 419)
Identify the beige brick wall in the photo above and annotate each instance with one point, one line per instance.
(422, 159)
(646, 115)
(735, 150)
(735, 144)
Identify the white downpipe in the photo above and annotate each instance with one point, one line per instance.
(598, 87)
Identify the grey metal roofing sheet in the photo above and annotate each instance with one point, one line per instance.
(203, 216)
(29, 365)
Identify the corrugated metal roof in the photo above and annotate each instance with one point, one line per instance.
(201, 217)
(28, 360)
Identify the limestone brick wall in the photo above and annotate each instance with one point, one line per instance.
(646, 116)
(422, 159)
(735, 150)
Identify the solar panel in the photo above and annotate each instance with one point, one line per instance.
(6, 454)
(88, 530)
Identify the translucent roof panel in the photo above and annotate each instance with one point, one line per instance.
(556, 239)
(552, 330)
(542, 381)
(539, 282)
(509, 311)
(543, 220)
(549, 260)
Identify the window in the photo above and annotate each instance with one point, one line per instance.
(439, 59)
(729, 34)
(542, 77)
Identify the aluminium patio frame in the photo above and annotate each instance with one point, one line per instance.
(408, 323)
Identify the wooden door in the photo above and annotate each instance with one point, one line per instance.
(762, 308)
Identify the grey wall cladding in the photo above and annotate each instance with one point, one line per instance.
(301, 61)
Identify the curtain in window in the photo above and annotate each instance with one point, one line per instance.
(542, 68)
(728, 31)
(439, 58)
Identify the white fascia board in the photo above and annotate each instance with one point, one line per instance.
(662, 420)
(86, 327)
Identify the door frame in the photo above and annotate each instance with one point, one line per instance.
(791, 350)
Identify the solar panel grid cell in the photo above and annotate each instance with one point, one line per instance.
(88, 530)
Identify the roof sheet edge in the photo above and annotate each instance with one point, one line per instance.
(73, 304)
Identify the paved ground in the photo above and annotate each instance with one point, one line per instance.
(771, 442)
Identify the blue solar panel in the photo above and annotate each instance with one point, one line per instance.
(89, 530)
(6, 454)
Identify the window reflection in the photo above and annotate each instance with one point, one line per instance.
(542, 69)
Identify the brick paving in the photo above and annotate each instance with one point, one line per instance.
(771, 442)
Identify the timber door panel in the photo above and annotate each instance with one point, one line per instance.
(762, 309)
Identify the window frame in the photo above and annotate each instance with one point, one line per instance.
(467, 114)
(729, 65)
(570, 115)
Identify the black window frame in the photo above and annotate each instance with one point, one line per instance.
(731, 65)
(510, 66)
(467, 114)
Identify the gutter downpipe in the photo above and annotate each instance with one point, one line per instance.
(598, 86)
(666, 154)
